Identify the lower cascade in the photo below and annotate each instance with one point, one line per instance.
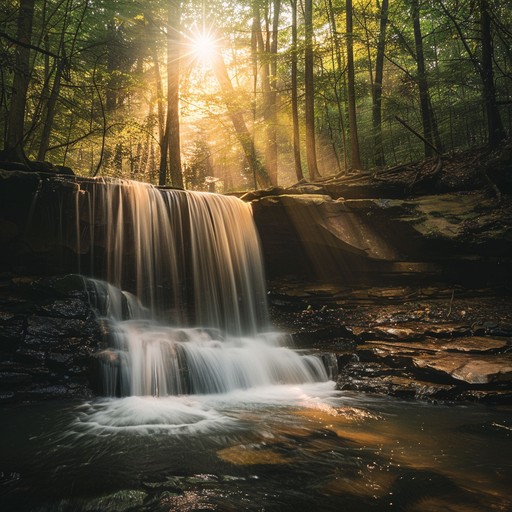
(153, 359)
(194, 320)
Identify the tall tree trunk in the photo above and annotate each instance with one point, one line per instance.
(267, 51)
(16, 121)
(112, 66)
(271, 103)
(378, 150)
(61, 71)
(310, 92)
(295, 103)
(173, 87)
(50, 112)
(244, 137)
(355, 157)
(495, 129)
(339, 65)
(264, 50)
(426, 113)
(159, 95)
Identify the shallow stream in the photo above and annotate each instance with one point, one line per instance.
(278, 448)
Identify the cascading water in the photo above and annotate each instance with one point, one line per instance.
(195, 320)
(178, 278)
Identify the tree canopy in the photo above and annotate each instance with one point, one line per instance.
(249, 93)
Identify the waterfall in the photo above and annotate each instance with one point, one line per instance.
(181, 253)
(179, 277)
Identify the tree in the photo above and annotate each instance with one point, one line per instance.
(378, 154)
(355, 157)
(170, 145)
(271, 102)
(13, 149)
(244, 137)
(495, 130)
(310, 91)
(295, 103)
(266, 50)
(426, 112)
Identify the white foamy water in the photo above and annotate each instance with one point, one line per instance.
(158, 360)
(194, 414)
(191, 258)
(178, 279)
(195, 320)
(146, 415)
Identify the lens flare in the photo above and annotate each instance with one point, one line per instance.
(203, 46)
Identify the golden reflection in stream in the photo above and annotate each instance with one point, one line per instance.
(288, 438)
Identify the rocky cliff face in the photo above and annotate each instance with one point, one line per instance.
(49, 336)
(447, 237)
(405, 274)
(378, 264)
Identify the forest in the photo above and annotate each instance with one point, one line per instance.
(235, 95)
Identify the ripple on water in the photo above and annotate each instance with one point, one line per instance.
(146, 414)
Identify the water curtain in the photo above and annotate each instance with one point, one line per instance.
(180, 279)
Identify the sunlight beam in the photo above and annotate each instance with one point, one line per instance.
(203, 46)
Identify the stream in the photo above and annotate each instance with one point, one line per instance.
(274, 448)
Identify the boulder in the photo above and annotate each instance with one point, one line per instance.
(49, 335)
(445, 237)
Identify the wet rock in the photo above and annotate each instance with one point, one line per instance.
(407, 371)
(399, 239)
(59, 359)
(69, 285)
(336, 334)
(490, 396)
(468, 369)
(50, 392)
(12, 378)
(7, 397)
(48, 338)
(70, 308)
(476, 344)
(447, 330)
(11, 330)
(388, 335)
(48, 327)
(27, 355)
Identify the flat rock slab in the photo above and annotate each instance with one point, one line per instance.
(472, 344)
(482, 369)
(412, 331)
(473, 369)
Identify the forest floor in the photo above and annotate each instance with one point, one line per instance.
(425, 339)
(430, 343)
(297, 305)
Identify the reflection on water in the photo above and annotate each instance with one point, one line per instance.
(274, 449)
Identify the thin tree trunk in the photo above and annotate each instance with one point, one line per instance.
(339, 64)
(159, 95)
(173, 87)
(271, 107)
(242, 132)
(426, 115)
(355, 157)
(21, 80)
(50, 112)
(496, 132)
(295, 103)
(310, 92)
(378, 150)
(112, 65)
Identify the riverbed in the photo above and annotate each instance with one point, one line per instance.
(275, 448)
